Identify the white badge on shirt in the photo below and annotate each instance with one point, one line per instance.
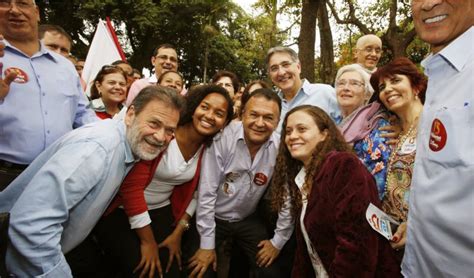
(409, 146)
(380, 221)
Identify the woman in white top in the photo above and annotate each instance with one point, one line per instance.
(157, 196)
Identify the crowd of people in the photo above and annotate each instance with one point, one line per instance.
(146, 177)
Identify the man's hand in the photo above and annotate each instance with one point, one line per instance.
(5, 81)
(400, 237)
(201, 261)
(173, 243)
(267, 254)
(150, 260)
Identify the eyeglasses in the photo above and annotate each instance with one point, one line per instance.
(351, 82)
(20, 4)
(369, 50)
(285, 65)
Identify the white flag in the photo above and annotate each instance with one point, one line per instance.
(102, 51)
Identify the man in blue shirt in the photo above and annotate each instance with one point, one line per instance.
(40, 93)
(440, 237)
(235, 173)
(284, 69)
(57, 200)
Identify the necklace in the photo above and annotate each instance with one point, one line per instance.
(411, 133)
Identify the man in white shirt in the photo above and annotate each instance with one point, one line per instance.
(440, 237)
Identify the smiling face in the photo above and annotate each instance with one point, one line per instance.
(302, 135)
(350, 92)
(172, 80)
(211, 114)
(284, 72)
(112, 88)
(440, 22)
(396, 93)
(369, 51)
(260, 118)
(150, 132)
(165, 60)
(20, 25)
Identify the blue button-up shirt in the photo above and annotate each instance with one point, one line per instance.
(320, 95)
(440, 235)
(231, 184)
(37, 112)
(57, 200)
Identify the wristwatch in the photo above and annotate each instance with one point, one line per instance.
(185, 224)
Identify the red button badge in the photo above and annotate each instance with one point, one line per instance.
(21, 76)
(438, 136)
(260, 179)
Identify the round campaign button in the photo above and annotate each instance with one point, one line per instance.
(260, 179)
(21, 76)
(438, 136)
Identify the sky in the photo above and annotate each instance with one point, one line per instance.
(245, 4)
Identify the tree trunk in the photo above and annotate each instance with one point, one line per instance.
(327, 70)
(307, 38)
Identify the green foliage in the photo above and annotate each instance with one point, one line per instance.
(236, 41)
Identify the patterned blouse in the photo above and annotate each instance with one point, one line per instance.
(400, 171)
(375, 153)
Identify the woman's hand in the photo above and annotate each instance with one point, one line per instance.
(173, 243)
(150, 260)
(400, 237)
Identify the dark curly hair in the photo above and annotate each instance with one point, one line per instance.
(402, 66)
(287, 167)
(194, 97)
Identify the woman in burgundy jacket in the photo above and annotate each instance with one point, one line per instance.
(330, 190)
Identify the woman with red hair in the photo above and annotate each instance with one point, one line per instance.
(400, 87)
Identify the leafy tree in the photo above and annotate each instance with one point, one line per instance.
(216, 31)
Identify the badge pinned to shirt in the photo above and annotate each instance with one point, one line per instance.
(260, 179)
(438, 136)
(21, 76)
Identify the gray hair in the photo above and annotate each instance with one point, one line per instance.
(156, 92)
(363, 74)
(281, 49)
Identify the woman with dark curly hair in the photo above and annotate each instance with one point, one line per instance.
(158, 196)
(330, 189)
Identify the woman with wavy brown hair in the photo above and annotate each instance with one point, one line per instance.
(330, 189)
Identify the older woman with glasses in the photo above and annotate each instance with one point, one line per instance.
(363, 125)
